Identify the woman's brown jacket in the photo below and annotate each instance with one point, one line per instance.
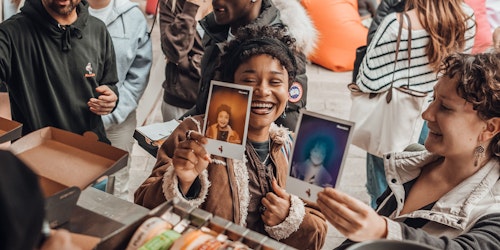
(224, 189)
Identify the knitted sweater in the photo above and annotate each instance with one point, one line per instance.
(376, 70)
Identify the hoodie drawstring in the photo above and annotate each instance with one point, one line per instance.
(69, 31)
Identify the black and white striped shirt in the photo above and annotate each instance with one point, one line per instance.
(376, 70)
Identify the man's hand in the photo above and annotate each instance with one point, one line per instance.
(105, 103)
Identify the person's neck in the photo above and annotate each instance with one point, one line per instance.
(225, 128)
(260, 135)
(455, 171)
(98, 4)
(315, 165)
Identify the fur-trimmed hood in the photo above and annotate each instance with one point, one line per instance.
(299, 24)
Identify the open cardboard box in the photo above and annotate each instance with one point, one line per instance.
(9, 130)
(66, 163)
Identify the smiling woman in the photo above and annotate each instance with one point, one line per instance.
(446, 196)
(248, 192)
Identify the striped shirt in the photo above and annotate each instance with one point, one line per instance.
(376, 70)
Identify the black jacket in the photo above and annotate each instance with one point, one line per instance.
(52, 71)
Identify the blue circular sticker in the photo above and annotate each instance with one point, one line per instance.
(295, 92)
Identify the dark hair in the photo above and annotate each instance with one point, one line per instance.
(257, 40)
(478, 78)
(224, 107)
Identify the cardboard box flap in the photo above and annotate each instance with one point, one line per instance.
(68, 158)
(59, 207)
(9, 130)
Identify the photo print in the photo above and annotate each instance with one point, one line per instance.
(318, 154)
(226, 119)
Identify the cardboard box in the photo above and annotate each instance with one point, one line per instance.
(9, 130)
(152, 136)
(66, 163)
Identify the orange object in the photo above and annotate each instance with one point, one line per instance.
(151, 6)
(340, 32)
(483, 38)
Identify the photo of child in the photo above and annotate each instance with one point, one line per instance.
(312, 170)
(226, 119)
(318, 154)
(221, 129)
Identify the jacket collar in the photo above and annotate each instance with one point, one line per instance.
(454, 208)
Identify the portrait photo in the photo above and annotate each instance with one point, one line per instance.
(318, 153)
(226, 119)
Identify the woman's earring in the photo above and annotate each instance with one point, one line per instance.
(283, 116)
(478, 154)
(253, 1)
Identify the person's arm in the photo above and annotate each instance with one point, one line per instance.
(4, 55)
(168, 175)
(137, 76)
(485, 234)
(177, 29)
(376, 70)
(107, 90)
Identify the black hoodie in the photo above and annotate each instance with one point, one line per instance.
(52, 71)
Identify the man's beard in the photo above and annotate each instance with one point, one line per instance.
(66, 10)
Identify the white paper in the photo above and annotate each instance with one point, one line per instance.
(158, 131)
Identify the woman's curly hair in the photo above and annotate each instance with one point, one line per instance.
(478, 78)
(257, 40)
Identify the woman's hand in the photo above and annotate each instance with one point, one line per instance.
(277, 205)
(190, 158)
(354, 219)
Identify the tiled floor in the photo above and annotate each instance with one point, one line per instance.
(327, 94)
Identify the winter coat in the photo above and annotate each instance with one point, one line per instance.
(133, 48)
(224, 190)
(467, 217)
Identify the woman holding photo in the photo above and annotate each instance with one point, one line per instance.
(248, 192)
(446, 196)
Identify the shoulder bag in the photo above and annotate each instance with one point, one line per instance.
(388, 121)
